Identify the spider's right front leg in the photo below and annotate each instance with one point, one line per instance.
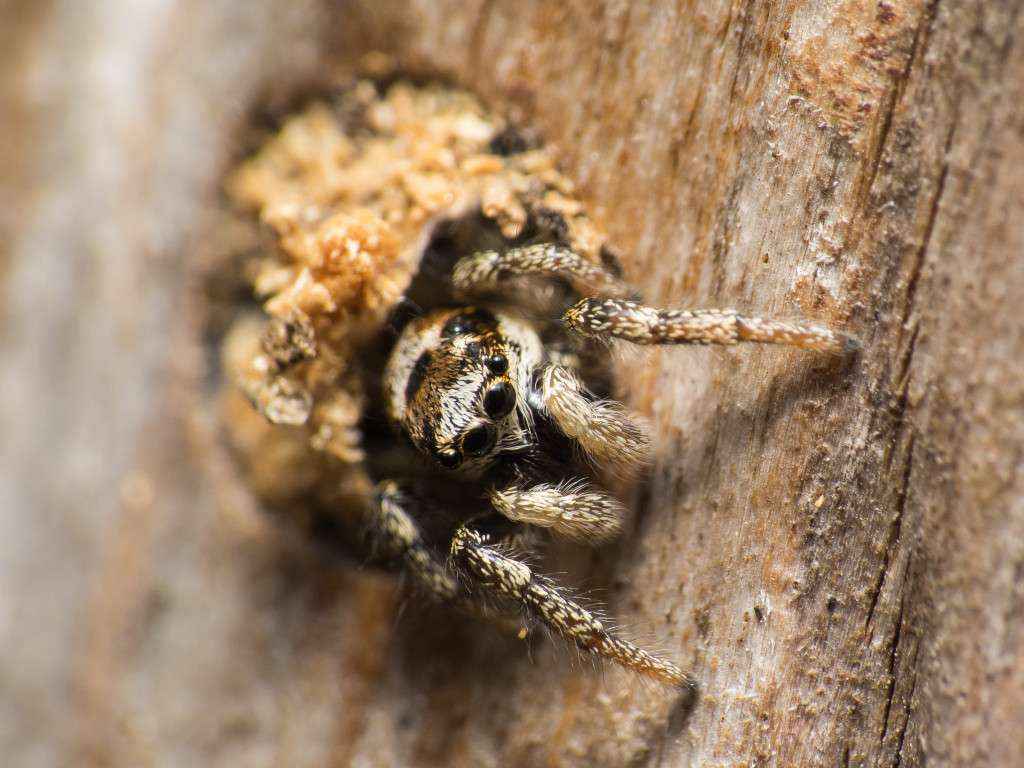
(608, 318)
(510, 579)
(398, 532)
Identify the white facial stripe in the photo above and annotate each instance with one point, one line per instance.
(420, 335)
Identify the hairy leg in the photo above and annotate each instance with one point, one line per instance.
(512, 580)
(613, 318)
(483, 272)
(396, 530)
(573, 510)
(603, 428)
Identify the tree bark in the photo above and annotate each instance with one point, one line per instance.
(837, 552)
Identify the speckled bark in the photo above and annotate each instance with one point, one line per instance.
(837, 553)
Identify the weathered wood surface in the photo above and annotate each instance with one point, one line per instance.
(838, 554)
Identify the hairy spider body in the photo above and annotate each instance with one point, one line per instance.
(492, 385)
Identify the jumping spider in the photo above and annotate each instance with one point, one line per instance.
(490, 381)
(474, 388)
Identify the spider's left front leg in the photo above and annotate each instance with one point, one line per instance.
(493, 570)
(574, 510)
(608, 318)
(604, 429)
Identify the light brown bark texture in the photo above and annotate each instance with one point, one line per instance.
(836, 552)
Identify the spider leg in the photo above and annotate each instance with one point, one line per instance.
(574, 510)
(483, 272)
(398, 532)
(603, 428)
(510, 579)
(605, 318)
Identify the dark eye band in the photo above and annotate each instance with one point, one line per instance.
(471, 321)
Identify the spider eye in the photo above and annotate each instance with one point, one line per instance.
(469, 321)
(499, 400)
(449, 459)
(478, 440)
(496, 363)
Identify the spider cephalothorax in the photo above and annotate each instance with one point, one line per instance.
(457, 384)
(491, 385)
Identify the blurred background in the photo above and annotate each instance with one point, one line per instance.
(115, 122)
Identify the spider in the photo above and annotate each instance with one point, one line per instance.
(396, 196)
(507, 416)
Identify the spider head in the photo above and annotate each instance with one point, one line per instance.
(456, 385)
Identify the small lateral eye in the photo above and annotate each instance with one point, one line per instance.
(471, 320)
(478, 440)
(455, 327)
(496, 363)
(499, 401)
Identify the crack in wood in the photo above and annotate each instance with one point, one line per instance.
(893, 653)
(918, 266)
(895, 530)
(741, 48)
(898, 752)
(896, 95)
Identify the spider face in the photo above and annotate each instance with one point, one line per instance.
(458, 384)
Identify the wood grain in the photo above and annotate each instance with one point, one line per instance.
(837, 552)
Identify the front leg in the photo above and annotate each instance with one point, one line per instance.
(574, 510)
(394, 527)
(510, 579)
(604, 429)
(604, 319)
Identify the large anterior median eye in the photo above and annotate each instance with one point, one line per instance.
(478, 440)
(499, 400)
